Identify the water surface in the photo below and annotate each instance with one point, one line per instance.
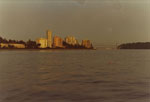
(75, 76)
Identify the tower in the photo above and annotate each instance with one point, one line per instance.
(49, 39)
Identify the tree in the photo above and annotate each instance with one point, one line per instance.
(31, 44)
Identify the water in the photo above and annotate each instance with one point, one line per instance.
(75, 76)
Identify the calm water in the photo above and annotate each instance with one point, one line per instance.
(75, 76)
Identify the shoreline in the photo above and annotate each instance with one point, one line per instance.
(36, 49)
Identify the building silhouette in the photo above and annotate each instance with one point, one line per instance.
(12, 45)
(71, 40)
(57, 42)
(49, 39)
(86, 43)
(43, 42)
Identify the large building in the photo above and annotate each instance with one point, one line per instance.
(57, 42)
(11, 45)
(71, 40)
(86, 43)
(49, 39)
(43, 42)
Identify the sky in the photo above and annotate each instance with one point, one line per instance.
(101, 21)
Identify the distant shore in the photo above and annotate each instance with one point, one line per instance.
(137, 45)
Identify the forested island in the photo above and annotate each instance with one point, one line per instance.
(137, 45)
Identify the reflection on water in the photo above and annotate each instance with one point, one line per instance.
(75, 76)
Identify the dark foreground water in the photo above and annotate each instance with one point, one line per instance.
(75, 76)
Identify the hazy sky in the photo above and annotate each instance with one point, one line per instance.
(102, 21)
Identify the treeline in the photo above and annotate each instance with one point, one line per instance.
(137, 45)
(28, 44)
(3, 40)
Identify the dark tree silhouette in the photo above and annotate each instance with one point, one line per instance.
(137, 45)
(31, 44)
(28, 44)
